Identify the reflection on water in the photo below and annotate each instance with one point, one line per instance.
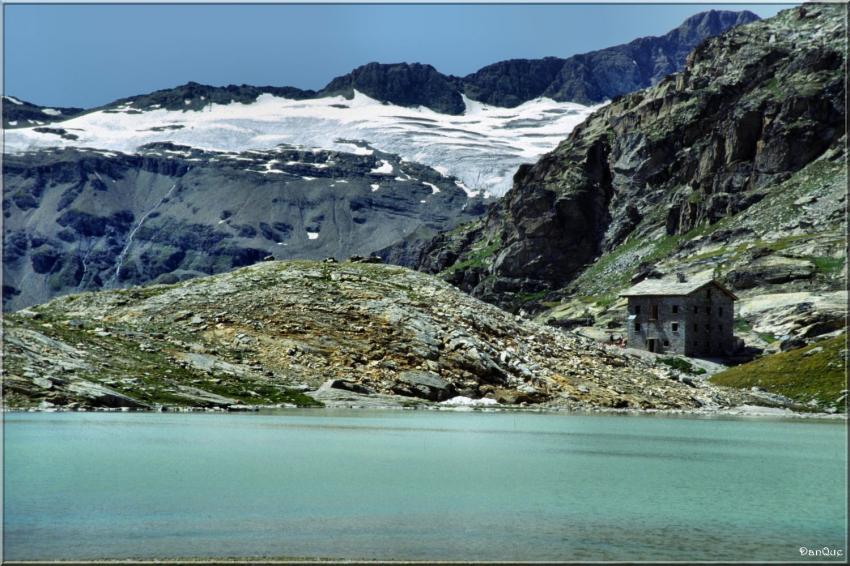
(420, 485)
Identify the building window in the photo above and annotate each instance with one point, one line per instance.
(666, 342)
(637, 327)
(675, 326)
(719, 311)
(696, 345)
(707, 310)
(654, 315)
(696, 310)
(637, 309)
(708, 327)
(675, 309)
(695, 327)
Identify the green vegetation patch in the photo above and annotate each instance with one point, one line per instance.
(529, 297)
(816, 372)
(767, 337)
(682, 365)
(828, 265)
(475, 258)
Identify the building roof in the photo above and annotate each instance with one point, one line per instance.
(672, 288)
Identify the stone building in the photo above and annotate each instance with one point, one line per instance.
(681, 317)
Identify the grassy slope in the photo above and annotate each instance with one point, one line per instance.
(797, 374)
(612, 272)
(156, 374)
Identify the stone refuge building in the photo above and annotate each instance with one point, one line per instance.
(681, 317)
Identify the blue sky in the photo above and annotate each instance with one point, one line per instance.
(87, 55)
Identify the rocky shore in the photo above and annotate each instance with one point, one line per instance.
(310, 334)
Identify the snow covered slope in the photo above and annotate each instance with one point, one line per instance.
(481, 147)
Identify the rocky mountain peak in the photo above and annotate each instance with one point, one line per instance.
(601, 75)
(404, 84)
(712, 22)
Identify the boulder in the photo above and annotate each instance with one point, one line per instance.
(772, 270)
(426, 384)
(102, 396)
(345, 385)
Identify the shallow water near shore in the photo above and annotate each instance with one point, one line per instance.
(421, 485)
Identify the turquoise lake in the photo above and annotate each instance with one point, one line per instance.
(421, 485)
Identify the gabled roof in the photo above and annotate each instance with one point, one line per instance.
(672, 288)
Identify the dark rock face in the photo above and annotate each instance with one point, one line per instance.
(22, 114)
(402, 84)
(195, 96)
(85, 219)
(752, 107)
(599, 75)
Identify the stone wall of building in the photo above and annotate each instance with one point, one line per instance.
(710, 317)
(699, 324)
(666, 326)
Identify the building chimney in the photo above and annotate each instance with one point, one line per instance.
(680, 277)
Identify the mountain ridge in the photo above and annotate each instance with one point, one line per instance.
(571, 79)
(603, 74)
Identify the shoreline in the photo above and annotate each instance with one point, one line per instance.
(748, 411)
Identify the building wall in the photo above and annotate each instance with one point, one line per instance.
(710, 317)
(703, 323)
(661, 329)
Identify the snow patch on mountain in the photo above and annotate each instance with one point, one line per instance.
(481, 148)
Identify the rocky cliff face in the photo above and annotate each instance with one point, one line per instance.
(709, 158)
(79, 219)
(351, 332)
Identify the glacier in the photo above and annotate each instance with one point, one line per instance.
(480, 148)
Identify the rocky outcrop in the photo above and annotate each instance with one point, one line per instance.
(265, 334)
(403, 84)
(22, 114)
(196, 96)
(654, 169)
(80, 220)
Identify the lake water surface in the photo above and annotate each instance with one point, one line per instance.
(421, 485)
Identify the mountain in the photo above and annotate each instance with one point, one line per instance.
(303, 332)
(410, 110)
(78, 219)
(121, 195)
(734, 167)
(591, 78)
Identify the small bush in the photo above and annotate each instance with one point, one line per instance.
(682, 365)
